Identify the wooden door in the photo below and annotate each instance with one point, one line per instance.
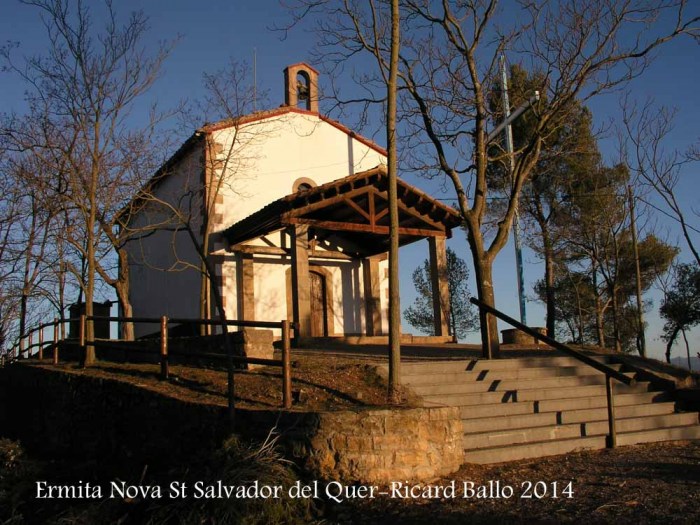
(318, 305)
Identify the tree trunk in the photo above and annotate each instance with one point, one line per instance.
(122, 288)
(127, 327)
(687, 349)
(488, 324)
(599, 325)
(394, 299)
(616, 320)
(549, 277)
(670, 342)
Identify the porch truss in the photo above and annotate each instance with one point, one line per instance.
(349, 219)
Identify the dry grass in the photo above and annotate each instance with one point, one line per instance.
(318, 383)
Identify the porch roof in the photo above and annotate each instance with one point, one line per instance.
(352, 212)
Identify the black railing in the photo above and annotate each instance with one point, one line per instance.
(610, 373)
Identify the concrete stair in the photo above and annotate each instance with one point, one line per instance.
(540, 406)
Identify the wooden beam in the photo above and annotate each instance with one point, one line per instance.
(362, 228)
(358, 209)
(323, 203)
(273, 250)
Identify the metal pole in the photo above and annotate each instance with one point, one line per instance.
(164, 369)
(516, 219)
(286, 366)
(55, 341)
(640, 313)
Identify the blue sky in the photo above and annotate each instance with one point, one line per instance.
(209, 34)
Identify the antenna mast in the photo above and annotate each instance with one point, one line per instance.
(255, 81)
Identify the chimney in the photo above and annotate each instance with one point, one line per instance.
(301, 86)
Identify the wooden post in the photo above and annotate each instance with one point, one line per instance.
(29, 346)
(55, 341)
(301, 288)
(439, 285)
(373, 310)
(81, 336)
(41, 344)
(286, 366)
(611, 440)
(164, 369)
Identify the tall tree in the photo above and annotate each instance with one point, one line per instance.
(421, 313)
(568, 152)
(645, 148)
(681, 305)
(449, 62)
(84, 88)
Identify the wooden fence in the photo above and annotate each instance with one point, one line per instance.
(164, 352)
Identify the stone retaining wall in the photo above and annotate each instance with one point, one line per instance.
(387, 445)
(68, 414)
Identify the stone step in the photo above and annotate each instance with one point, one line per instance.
(533, 450)
(533, 394)
(661, 434)
(635, 424)
(489, 375)
(504, 422)
(620, 399)
(597, 414)
(563, 446)
(452, 366)
(517, 436)
(514, 436)
(553, 405)
(498, 385)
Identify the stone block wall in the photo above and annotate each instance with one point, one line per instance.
(384, 445)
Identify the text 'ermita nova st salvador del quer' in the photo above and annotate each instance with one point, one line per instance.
(333, 490)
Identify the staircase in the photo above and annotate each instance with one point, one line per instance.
(541, 406)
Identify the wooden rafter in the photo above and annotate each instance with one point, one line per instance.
(364, 228)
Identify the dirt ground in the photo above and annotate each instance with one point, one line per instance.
(653, 483)
(318, 383)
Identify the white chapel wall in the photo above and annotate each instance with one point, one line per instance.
(164, 281)
(272, 155)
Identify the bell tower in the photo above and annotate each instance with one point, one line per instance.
(301, 86)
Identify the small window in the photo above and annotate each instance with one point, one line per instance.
(303, 184)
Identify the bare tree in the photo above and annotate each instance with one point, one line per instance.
(450, 61)
(654, 164)
(85, 87)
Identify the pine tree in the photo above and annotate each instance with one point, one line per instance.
(420, 314)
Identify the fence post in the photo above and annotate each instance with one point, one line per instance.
(41, 344)
(164, 369)
(286, 366)
(611, 440)
(81, 335)
(55, 341)
(29, 345)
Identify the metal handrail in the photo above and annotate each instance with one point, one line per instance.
(610, 373)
